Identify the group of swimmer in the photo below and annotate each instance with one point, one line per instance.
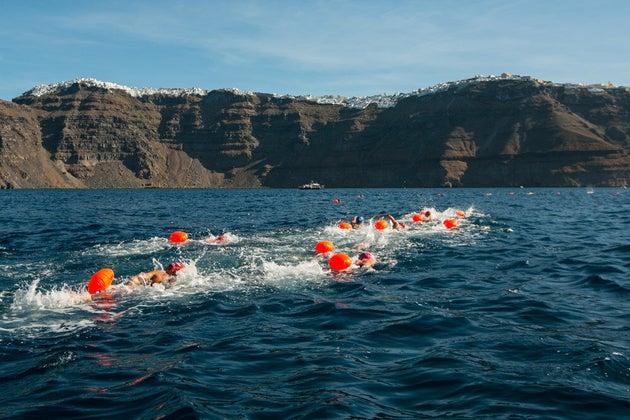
(103, 278)
(338, 262)
(169, 274)
(379, 222)
(358, 221)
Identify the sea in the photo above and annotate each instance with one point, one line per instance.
(521, 311)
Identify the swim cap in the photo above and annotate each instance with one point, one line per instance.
(175, 267)
(365, 256)
(402, 224)
(359, 219)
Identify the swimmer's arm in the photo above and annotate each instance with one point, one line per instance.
(137, 280)
(383, 216)
(143, 278)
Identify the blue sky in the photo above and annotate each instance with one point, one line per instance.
(337, 47)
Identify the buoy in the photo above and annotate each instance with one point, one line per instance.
(416, 218)
(100, 280)
(460, 213)
(450, 223)
(323, 247)
(345, 225)
(340, 262)
(336, 200)
(381, 225)
(178, 236)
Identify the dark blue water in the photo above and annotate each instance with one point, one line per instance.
(522, 311)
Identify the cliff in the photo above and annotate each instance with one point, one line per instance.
(503, 131)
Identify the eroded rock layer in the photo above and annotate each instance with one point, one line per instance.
(504, 132)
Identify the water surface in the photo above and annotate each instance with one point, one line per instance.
(519, 312)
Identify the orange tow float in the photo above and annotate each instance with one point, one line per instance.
(381, 225)
(340, 262)
(178, 236)
(450, 223)
(100, 280)
(323, 247)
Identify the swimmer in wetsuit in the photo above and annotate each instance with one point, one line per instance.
(156, 276)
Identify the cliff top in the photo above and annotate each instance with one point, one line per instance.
(384, 100)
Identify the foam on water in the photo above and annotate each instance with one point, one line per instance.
(36, 311)
(291, 275)
(134, 247)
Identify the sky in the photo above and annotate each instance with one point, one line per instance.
(314, 47)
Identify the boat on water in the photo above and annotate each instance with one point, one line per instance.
(311, 186)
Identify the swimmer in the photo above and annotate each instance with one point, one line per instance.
(396, 225)
(365, 259)
(156, 276)
(219, 239)
(426, 215)
(357, 222)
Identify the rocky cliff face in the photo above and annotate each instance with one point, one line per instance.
(499, 132)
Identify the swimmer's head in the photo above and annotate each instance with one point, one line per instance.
(427, 213)
(365, 256)
(402, 225)
(359, 219)
(174, 267)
